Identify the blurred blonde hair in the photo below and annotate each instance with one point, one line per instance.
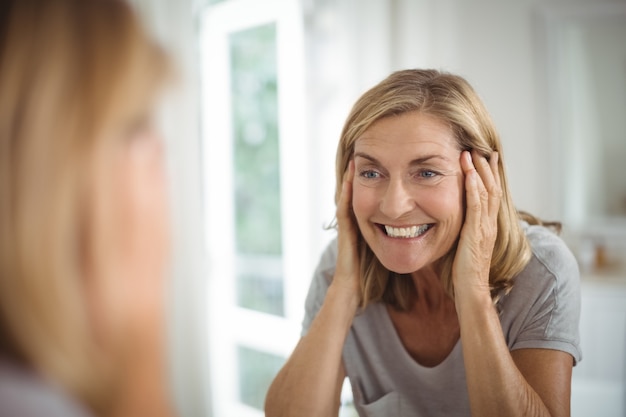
(74, 75)
(450, 99)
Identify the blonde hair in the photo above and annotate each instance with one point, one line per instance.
(451, 99)
(73, 75)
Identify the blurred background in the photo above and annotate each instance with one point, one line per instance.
(252, 128)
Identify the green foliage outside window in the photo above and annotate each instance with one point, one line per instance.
(256, 153)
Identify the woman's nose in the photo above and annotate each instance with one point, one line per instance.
(397, 200)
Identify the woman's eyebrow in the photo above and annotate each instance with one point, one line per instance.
(366, 156)
(417, 161)
(426, 158)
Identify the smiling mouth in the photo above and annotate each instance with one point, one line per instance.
(406, 232)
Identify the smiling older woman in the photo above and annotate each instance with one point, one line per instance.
(438, 297)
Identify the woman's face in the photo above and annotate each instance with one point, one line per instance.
(408, 193)
(131, 227)
(134, 193)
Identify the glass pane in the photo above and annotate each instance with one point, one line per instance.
(256, 372)
(258, 226)
(259, 284)
(253, 54)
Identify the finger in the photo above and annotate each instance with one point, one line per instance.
(349, 174)
(344, 206)
(493, 162)
(479, 164)
(472, 192)
(347, 264)
(489, 182)
(466, 162)
(495, 195)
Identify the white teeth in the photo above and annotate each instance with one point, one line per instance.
(406, 232)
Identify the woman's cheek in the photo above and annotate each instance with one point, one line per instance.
(144, 235)
(147, 230)
(129, 288)
(361, 203)
(448, 201)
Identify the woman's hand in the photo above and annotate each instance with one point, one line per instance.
(470, 271)
(528, 382)
(348, 266)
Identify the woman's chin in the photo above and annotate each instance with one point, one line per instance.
(400, 266)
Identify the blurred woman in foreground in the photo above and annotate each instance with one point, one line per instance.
(84, 236)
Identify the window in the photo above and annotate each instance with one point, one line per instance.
(256, 182)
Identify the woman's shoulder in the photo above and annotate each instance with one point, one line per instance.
(318, 287)
(550, 254)
(542, 308)
(24, 393)
(328, 260)
(550, 279)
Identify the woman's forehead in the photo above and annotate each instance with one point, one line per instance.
(409, 135)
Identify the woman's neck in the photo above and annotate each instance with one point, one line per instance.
(431, 294)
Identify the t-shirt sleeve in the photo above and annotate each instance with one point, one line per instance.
(319, 285)
(546, 300)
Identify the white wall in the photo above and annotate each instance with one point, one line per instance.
(497, 45)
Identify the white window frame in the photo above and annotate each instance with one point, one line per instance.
(229, 324)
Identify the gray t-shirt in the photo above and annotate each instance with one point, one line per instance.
(541, 311)
(23, 393)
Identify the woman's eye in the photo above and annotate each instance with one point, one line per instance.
(369, 174)
(426, 173)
